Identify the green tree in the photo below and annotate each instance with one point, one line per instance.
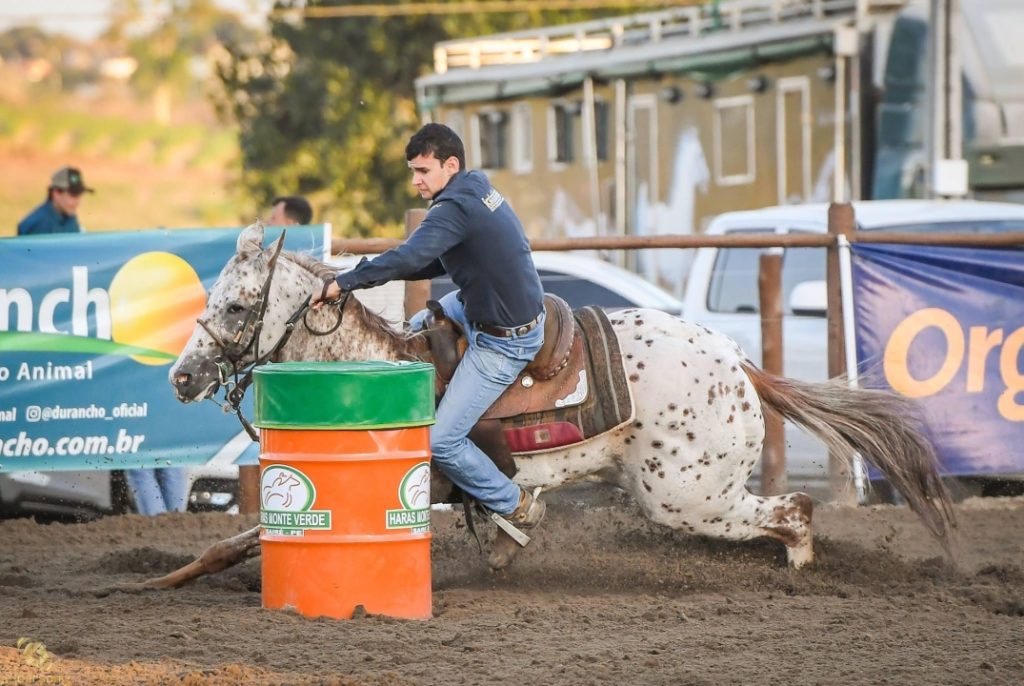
(26, 42)
(170, 55)
(326, 105)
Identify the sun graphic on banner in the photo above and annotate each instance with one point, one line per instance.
(155, 299)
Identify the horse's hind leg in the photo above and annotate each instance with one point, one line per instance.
(697, 436)
(786, 518)
(789, 521)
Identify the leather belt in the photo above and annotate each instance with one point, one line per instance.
(502, 332)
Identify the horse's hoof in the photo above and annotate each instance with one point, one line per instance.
(801, 555)
(503, 551)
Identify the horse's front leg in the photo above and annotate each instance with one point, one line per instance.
(216, 558)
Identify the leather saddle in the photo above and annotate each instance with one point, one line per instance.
(554, 402)
(555, 378)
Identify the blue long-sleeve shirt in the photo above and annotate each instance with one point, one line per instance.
(472, 234)
(48, 219)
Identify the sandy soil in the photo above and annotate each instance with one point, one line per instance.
(602, 597)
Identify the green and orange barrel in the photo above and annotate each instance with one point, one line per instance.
(345, 487)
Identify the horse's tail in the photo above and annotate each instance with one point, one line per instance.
(882, 426)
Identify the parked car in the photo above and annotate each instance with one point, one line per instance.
(722, 291)
(213, 487)
(78, 494)
(58, 493)
(580, 280)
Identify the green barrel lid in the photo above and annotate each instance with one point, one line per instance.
(344, 395)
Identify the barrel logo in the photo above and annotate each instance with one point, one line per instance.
(414, 496)
(286, 501)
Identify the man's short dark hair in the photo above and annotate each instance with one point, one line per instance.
(296, 208)
(437, 140)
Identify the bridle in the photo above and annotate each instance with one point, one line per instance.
(235, 375)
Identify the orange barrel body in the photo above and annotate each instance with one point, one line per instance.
(345, 487)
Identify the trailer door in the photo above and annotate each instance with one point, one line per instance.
(793, 140)
(641, 166)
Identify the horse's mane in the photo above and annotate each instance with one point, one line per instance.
(373, 322)
(317, 268)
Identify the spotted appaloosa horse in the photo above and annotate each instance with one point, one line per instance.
(698, 427)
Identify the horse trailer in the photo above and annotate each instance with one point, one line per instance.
(655, 123)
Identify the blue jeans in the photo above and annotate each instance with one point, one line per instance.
(158, 490)
(490, 365)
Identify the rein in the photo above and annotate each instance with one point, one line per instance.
(229, 362)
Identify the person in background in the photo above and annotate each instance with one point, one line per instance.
(59, 213)
(163, 489)
(288, 210)
(159, 490)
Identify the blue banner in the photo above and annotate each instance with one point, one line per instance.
(89, 327)
(945, 326)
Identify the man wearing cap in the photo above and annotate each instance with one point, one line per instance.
(57, 214)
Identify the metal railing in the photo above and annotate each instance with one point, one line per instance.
(533, 45)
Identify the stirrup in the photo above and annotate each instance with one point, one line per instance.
(511, 529)
(508, 527)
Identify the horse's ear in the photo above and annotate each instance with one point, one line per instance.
(435, 309)
(250, 241)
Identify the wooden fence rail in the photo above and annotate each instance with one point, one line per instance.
(369, 246)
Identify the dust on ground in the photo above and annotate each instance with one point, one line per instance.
(603, 596)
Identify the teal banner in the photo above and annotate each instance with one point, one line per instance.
(89, 327)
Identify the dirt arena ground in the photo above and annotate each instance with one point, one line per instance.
(603, 597)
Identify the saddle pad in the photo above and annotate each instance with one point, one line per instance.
(608, 405)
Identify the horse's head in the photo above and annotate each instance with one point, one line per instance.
(227, 335)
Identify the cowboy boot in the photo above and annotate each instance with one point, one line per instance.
(525, 517)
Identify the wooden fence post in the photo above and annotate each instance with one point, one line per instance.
(773, 454)
(249, 489)
(840, 221)
(416, 292)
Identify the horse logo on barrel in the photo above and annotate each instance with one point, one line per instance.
(285, 488)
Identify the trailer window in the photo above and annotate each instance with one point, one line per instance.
(562, 132)
(601, 122)
(456, 121)
(734, 140)
(522, 138)
(493, 144)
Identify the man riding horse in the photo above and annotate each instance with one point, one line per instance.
(471, 233)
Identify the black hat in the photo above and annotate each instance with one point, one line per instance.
(69, 179)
